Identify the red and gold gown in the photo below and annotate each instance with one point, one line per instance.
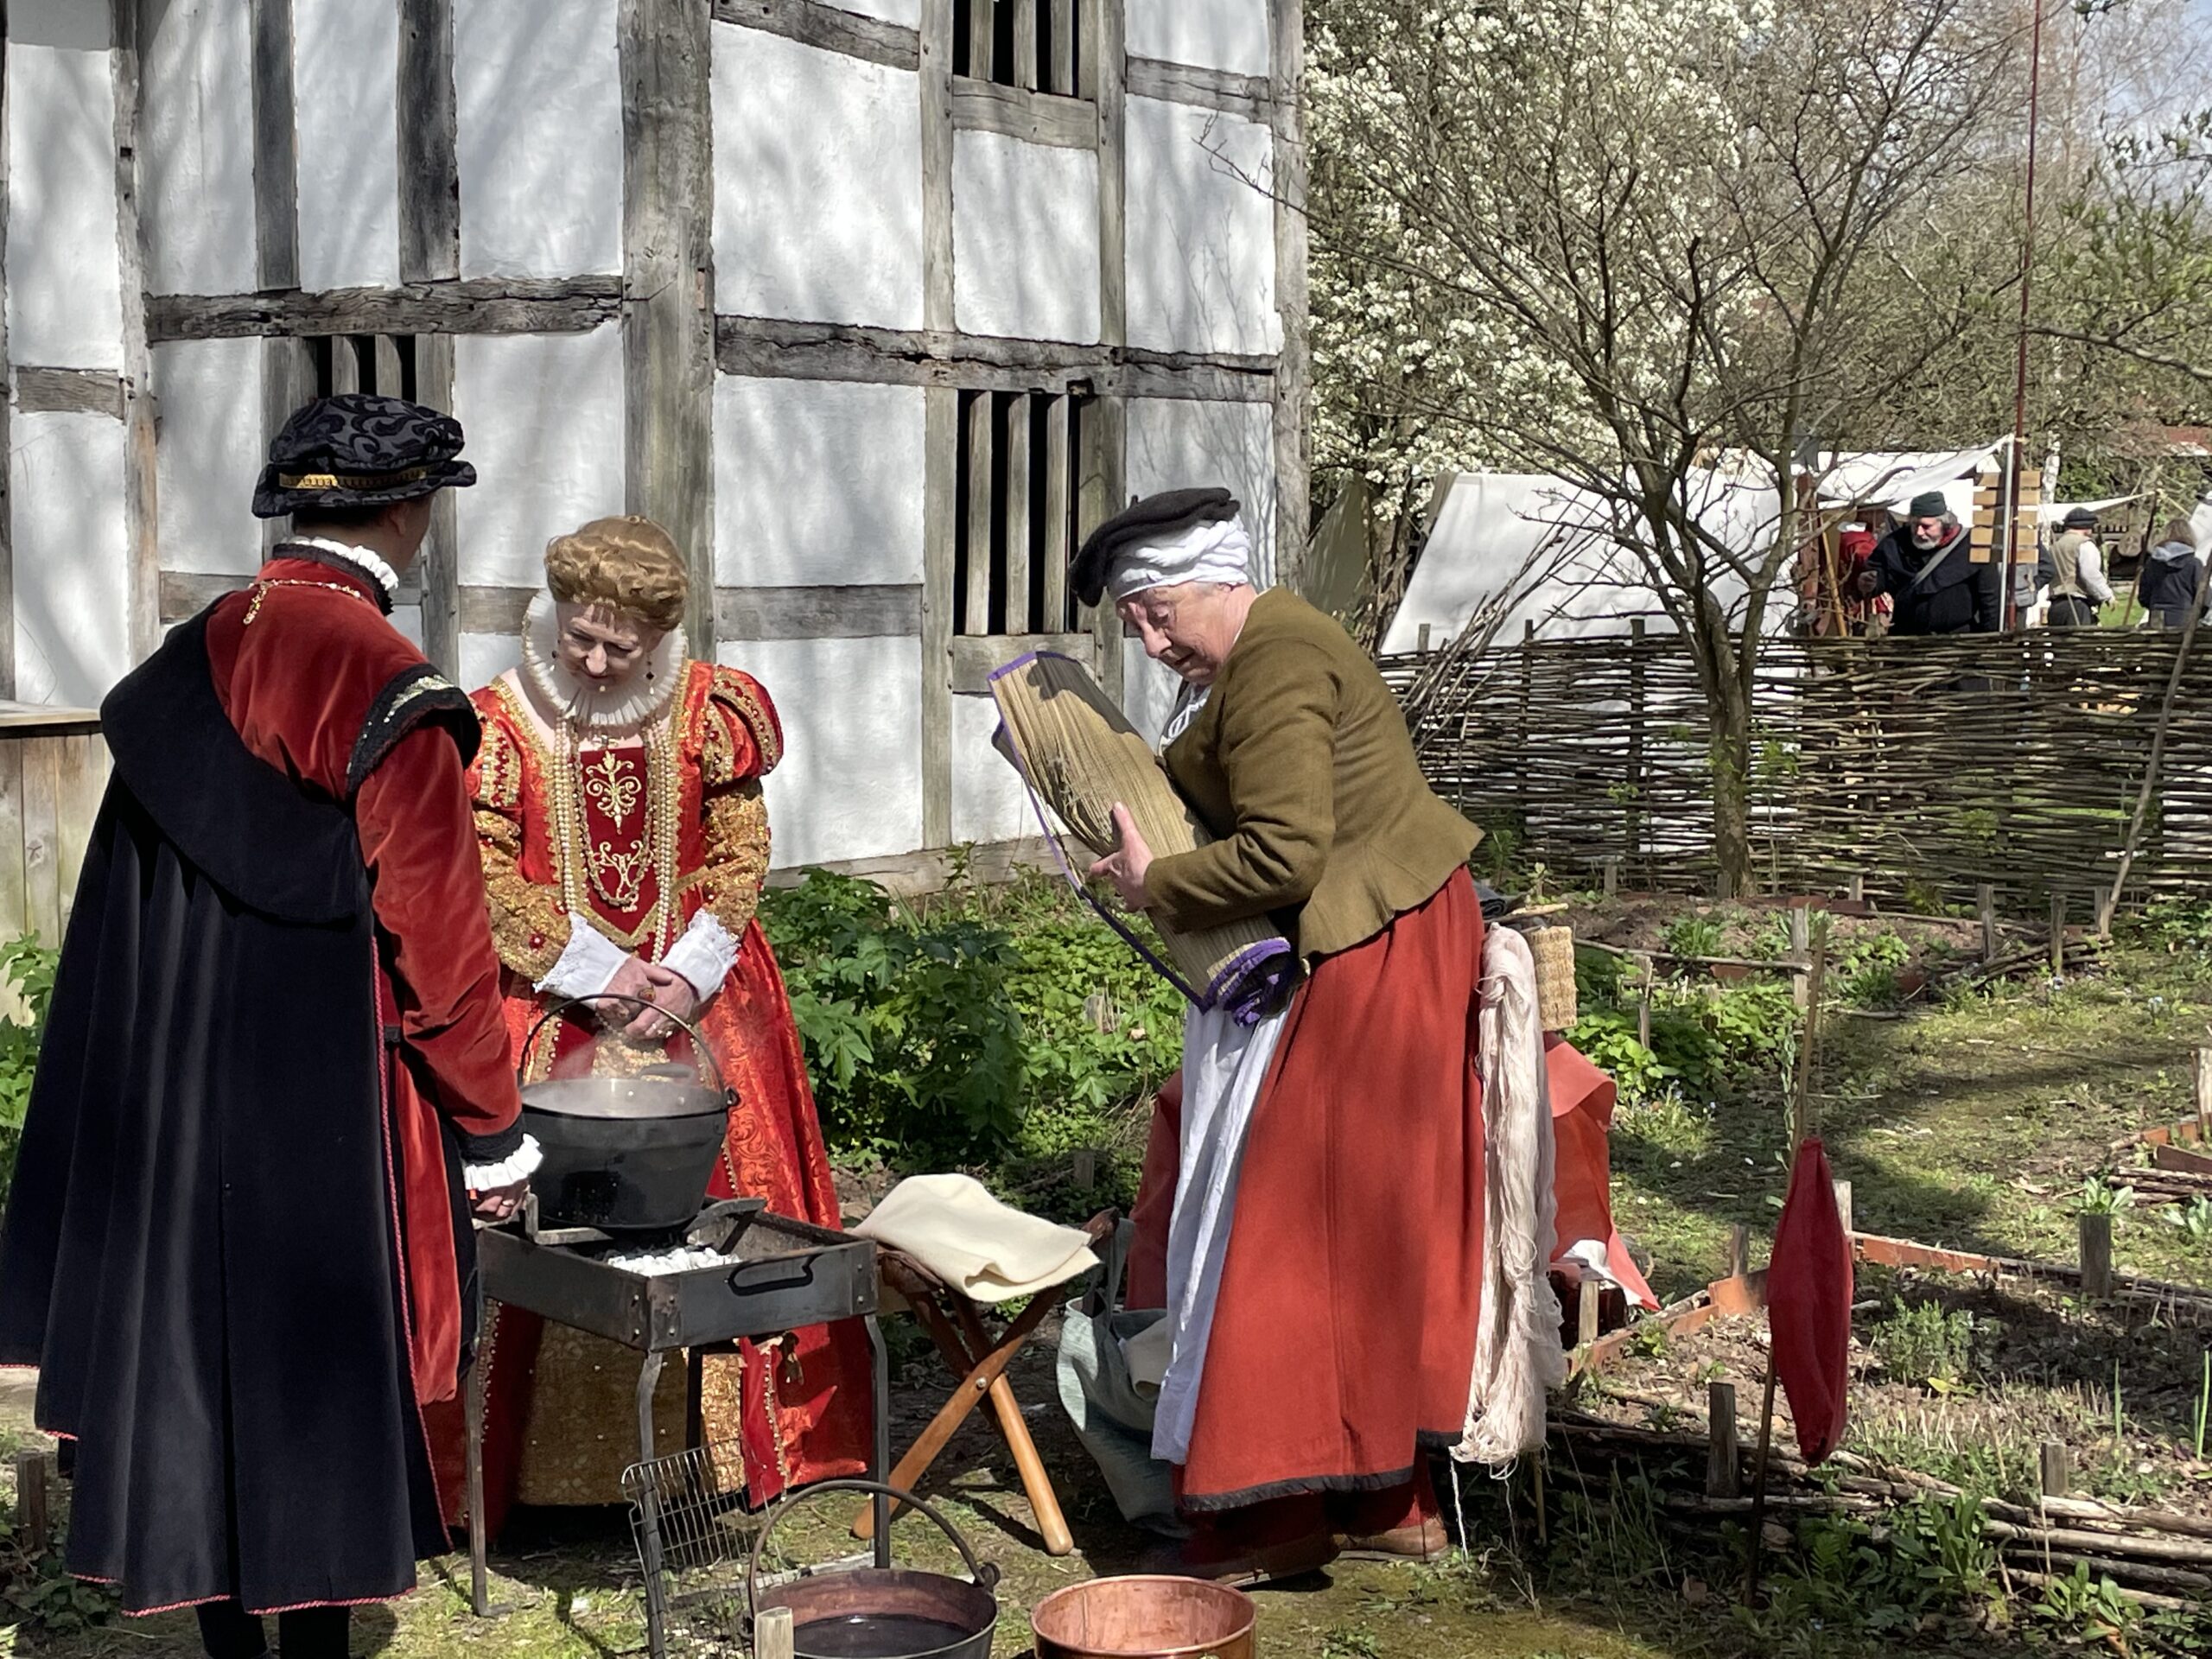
(657, 837)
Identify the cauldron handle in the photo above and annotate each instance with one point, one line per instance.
(698, 1043)
(986, 1575)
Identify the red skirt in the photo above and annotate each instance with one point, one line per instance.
(1344, 1336)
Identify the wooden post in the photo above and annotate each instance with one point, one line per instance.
(1612, 865)
(2096, 1256)
(430, 175)
(1723, 1475)
(1986, 894)
(1587, 1300)
(34, 1522)
(668, 304)
(1063, 24)
(440, 566)
(1421, 644)
(1643, 1005)
(275, 159)
(1843, 1205)
(1739, 1250)
(1293, 375)
(1086, 1167)
(772, 1636)
(1854, 888)
(2203, 1092)
(2057, 1472)
(941, 428)
(2057, 934)
(140, 517)
(1800, 946)
(983, 433)
(983, 30)
(1025, 45)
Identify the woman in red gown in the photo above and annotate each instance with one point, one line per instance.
(625, 844)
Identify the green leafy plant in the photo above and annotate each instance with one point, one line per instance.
(2090, 1610)
(2194, 1219)
(28, 967)
(1693, 936)
(1941, 1543)
(1926, 1344)
(2099, 1196)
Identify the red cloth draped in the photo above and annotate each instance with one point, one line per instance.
(1582, 1116)
(1809, 1286)
(1350, 1295)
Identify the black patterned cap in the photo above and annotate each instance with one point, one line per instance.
(358, 449)
(1164, 514)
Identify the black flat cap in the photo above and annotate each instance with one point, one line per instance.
(359, 450)
(2081, 519)
(1166, 514)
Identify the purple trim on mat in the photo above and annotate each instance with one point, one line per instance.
(1253, 981)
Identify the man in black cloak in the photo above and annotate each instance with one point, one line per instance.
(274, 1074)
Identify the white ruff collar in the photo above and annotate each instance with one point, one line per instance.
(562, 697)
(364, 559)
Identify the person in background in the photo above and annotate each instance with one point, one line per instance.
(237, 1244)
(2079, 591)
(2173, 576)
(1927, 571)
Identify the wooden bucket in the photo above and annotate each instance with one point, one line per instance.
(1144, 1618)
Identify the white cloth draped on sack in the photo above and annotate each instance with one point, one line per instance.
(1518, 1353)
(988, 1251)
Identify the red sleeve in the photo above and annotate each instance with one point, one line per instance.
(419, 839)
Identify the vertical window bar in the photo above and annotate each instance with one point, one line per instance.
(983, 28)
(389, 376)
(1024, 73)
(1061, 28)
(1015, 519)
(976, 616)
(1058, 517)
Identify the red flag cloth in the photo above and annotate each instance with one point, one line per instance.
(1809, 1304)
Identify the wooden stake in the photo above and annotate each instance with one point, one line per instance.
(1843, 1205)
(1854, 889)
(2096, 1256)
(34, 1523)
(2057, 934)
(2055, 1469)
(772, 1636)
(2204, 1096)
(1724, 1477)
(1801, 939)
(1758, 1490)
(1611, 867)
(1739, 1250)
(1586, 1308)
(1987, 895)
(1643, 1005)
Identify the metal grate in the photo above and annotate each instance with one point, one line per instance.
(693, 1534)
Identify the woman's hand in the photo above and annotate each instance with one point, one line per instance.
(672, 998)
(1127, 865)
(636, 977)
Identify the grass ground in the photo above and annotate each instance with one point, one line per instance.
(1972, 1122)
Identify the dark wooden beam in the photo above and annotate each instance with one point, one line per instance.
(141, 519)
(69, 392)
(439, 567)
(1104, 435)
(9, 878)
(429, 173)
(487, 305)
(1249, 96)
(668, 330)
(829, 27)
(941, 423)
(772, 348)
(288, 381)
(1293, 382)
(276, 148)
(1034, 117)
(888, 611)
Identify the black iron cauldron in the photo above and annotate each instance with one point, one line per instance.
(625, 1154)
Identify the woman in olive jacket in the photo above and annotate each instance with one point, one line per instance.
(1324, 1258)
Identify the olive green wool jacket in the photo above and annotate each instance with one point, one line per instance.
(1300, 763)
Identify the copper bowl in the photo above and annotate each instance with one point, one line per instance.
(1145, 1617)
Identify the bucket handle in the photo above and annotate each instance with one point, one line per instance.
(985, 1575)
(698, 1043)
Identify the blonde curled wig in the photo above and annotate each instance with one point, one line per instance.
(628, 564)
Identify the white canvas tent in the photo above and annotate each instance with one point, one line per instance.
(1545, 552)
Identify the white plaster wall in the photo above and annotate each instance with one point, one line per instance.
(850, 784)
(346, 90)
(818, 483)
(196, 148)
(208, 453)
(543, 416)
(1229, 34)
(1201, 231)
(1147, 690)
(485, 657)
(1025, 239)
(989, 803)
(1179, 443)
(539, 91)
(818, 183)
(65, 307)
(71, 561)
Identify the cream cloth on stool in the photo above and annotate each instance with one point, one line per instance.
(988, 1251)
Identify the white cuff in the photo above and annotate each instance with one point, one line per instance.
(522, 1162)
(588, 965)
(704, 955)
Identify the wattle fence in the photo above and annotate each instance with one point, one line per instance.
(1924, 768)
